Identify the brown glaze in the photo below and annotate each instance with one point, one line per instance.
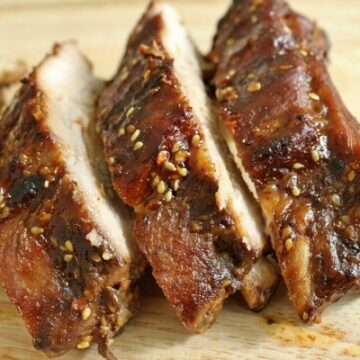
(47, 264)
(191, 244)
(298, 143)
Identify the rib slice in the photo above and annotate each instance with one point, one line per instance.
(66, 257)
(296, 144)
(192, 220)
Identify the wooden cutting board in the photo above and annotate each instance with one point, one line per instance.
(27, 30)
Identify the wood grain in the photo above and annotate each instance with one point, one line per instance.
(27, 30)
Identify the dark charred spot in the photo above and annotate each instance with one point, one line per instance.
(301, 117)
(336, 166)
(40, 344)
(25, 189)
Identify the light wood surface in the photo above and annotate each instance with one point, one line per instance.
(27, 30)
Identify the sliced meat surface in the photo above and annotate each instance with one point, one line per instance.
(192, 220)
(297, 145)
(67, 259)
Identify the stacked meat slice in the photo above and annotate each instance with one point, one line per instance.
(193, 219)
(65, 259)
(296, 144)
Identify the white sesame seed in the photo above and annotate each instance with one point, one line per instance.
(111, 160)
(303, 52)
(68, 257)
(254, 86)
(106, 255)
(305, 316)
(85, 314)
(138, 145)
(135, 135)
(196, 140)
(335, 198)
(298, 166)
(181, 156)
(161, 187)
(69, 245)
(346, 219)
(46, 184)
(122, 131)
(168, 165)
(176, 147)
(175, 184)
(251, 76)
(96, 258)
(295, 191)
(155, 181)
(315, 155)
(314, 96)
(130, 111)
(37, 230)
(147, 74)
(182, 171)
(168, 196)
(285, 67)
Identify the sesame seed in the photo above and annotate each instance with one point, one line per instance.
(85, 343)
(287, 29)
(335, 198)
(182, 171)
(351, 175)
(130, 111)
(295, 191)
(346, 219)
(162, 156)
(5, 212)
(124, 74)
(314, 96)
(161, 187)
(147, 74)
(254, 19)
(231, 73)
(298, 166)
(287, 231)
(251, 76)
(104, 329)
(96, 258)
(176, 147)
(130, 129)
(196, 140)
(254, 86)
(226, 282)
(181, 156)
(122, 131)
(350, 231)
(155, 181)
(138, 145)
(175, 184)
(135, 135)
(68, 257)
(315, 155)
(303, 52)
(69, 245)
(168, 196)
(111, 160)
(37, 230)
(305, 316)
(285, 67)
(106, 256)
(45, 217)
(62, 248)
(288, 244)
(46, 184)
(168, 165)
(85, 314)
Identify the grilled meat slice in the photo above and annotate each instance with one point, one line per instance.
(192, 221)
(65, 257)
(297, 145)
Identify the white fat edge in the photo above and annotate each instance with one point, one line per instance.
(69, 114)
(231, 193)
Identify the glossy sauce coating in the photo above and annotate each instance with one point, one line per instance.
(160, 165)
(298, 143)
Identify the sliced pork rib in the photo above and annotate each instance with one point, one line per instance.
(65, 259)
(297, 146)
(192, 220)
